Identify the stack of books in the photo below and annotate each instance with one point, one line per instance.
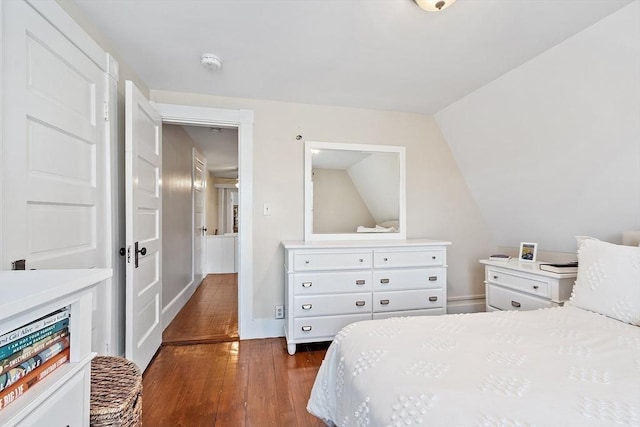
(568, 267)
(32, 352)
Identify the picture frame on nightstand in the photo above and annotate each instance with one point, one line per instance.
(528, 252)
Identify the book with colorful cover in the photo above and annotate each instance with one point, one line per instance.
(10, 394)
(28, 340)
(15, 373)
(28, 352)
(34, 326)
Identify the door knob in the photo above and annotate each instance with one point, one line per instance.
(137, 251)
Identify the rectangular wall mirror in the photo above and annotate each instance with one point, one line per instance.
(354, 191)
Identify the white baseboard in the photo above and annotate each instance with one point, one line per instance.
(264, 328)
(171, 310)
(466, 304)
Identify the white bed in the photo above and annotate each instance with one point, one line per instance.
(577, 365)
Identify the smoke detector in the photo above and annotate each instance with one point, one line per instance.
(209, 60)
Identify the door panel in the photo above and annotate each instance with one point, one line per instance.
(199, 232)
(143, 218)
(54, 157)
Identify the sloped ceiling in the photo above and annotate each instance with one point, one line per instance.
(378, 54)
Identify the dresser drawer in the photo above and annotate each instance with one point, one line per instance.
(508, 299)
(323, 305)
(408, 258)
(536, 286)
(423, 278)
(330, 282)
(408, 313)
(408, 300)
(310, 328)
(331, 260)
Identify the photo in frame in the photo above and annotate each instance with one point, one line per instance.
(528, 252)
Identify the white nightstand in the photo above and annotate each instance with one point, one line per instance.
(515, 285)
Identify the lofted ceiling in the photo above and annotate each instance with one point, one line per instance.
(380, 54)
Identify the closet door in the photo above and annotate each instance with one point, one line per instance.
(53, 148)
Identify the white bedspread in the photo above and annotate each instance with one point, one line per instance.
(553, 367)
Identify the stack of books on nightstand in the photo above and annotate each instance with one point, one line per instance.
(568, 267)
(499, 257)
(30, 353)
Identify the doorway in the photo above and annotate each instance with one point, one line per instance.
(207, 211)
(242, 120)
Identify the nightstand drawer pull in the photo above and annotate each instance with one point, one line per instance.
(515, 304)
(359, 303)
(385, 259)
(495, 277)
(306, 261)
(384, 302)
(306, 328)
(433, 278)
(306, 284)
(433, 299)
(384, 281)
(360, 282)
(306, 306)
(535, 287)
(361, 260)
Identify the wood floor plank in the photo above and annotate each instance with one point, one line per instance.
(249, 383)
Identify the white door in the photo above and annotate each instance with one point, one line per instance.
(143, 160)
(54, 197)
(200, 230)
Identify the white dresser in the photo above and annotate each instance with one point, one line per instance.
(62, 398)
(515, 285)
(332, 284)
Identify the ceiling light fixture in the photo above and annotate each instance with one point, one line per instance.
(209, 60)
(434, 5)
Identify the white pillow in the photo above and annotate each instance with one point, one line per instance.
(608, 280)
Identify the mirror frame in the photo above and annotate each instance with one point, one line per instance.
(309, 235)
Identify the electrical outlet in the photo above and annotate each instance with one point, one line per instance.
(279, 311)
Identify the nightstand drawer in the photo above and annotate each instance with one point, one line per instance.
(309, 328)
(535, 286)
(423, 278)
(331, 260)
(332, 282)
(408, 258)
(508, 299)
(323, 305)
(408, 300)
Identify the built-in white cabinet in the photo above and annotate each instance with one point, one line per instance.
(62, 397)
(332, 284)
(222, 253)
(521, 286)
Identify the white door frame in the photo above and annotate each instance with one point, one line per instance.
(243, 120)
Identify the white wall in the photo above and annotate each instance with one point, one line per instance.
(177, 217)
(439, 204)
(551, 149)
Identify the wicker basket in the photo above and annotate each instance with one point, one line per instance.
(116, 393)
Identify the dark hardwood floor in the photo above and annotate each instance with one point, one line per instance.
(196, 382)
(211, 315)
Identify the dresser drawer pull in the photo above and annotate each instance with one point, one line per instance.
(306, 261)
(306, 284)
(306, 328)
(306, 306)
(360, 282)
(385, 259)
(433, 278)
(433, 257)
(433, 299)
(384, 302)
(359, 303)
(515, 304)
(361, 260)
(536, 287)
(495, 277)
(384, 281)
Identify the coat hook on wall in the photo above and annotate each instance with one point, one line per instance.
(298, 137)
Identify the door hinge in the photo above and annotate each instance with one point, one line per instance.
(128, 254)
(106, 111)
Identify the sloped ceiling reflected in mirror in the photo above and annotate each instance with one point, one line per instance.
(354, 192)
